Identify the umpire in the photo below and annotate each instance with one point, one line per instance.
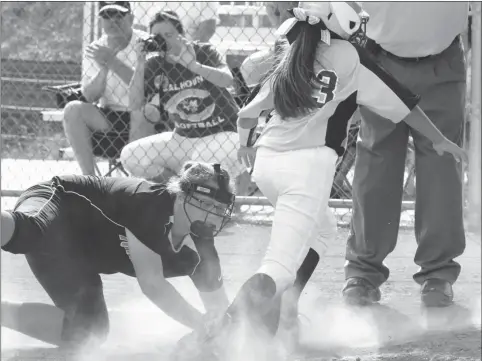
(419, 44)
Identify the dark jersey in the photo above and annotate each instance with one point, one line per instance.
(195, 105)
(99, 211)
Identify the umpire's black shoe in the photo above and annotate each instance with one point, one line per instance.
(358, 291)
(436, 293)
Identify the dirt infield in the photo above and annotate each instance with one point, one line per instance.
(396, 330)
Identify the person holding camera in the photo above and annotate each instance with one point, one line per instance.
(108, 66)
(188, 80)
(199, 18)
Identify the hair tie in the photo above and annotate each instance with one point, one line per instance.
(300, 15)
(291, 29)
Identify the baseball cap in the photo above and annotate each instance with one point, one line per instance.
(122, 6)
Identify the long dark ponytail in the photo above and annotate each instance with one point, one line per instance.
(293, 77)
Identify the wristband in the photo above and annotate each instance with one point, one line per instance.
(245, 136)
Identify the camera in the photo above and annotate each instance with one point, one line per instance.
(154, 43)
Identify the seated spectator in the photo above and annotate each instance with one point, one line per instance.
(189, 81)
(108, 65)
(199, 18)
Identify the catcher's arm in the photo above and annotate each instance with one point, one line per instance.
(208, 277)
(150, 275)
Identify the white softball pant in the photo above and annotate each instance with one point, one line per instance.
(298, 184)
(147, 157)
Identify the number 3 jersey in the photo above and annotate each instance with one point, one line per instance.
(347, 77)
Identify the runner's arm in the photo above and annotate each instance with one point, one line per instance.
(208, 276)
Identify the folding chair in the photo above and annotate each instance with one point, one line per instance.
(106, 145)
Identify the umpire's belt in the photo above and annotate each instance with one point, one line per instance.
(375, 48)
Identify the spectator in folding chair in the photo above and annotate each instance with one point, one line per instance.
(108, 64)
(189, 80)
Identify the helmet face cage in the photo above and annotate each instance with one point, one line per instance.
(221, 195)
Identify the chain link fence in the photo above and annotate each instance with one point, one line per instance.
(43, 62)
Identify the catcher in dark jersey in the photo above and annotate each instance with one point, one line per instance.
(74, 228)
(188, 80)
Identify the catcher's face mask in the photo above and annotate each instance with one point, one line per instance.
(213, 204)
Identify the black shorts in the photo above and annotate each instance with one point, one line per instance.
(109, 144)
(50, 245)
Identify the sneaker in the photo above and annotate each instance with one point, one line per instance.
(360, 292)
(436, 293)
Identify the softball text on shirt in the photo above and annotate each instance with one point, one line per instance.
(195, 105)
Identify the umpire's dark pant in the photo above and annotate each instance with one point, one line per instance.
(379, 172)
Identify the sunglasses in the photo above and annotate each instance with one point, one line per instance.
(112, 15)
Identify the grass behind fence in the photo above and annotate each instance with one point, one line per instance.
(46, 31)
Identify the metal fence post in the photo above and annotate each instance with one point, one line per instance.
(474, 209)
